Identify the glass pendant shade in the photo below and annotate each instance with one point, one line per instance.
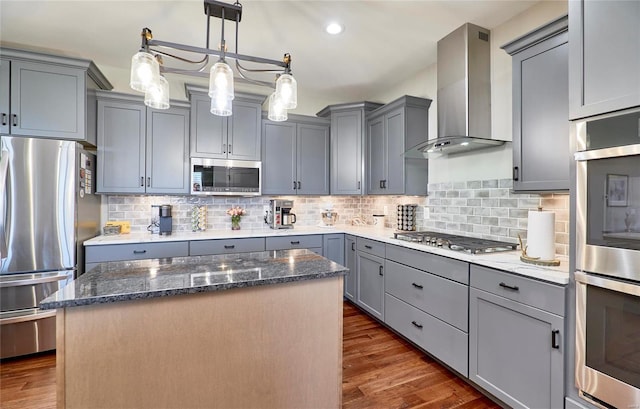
(221, 105)
(157, 95)
(277, 112)
(287, 91)
(145, 71)
(221, 81)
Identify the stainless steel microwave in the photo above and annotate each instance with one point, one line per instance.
(226, 177)
(608, 194)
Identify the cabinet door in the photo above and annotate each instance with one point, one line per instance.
(208, 131)
(541, 111)
(333, 247)
(605, 56)
(243, 141)
(47, 101)
(394, 138)
(313, 160)
(167, 164)
(511, 351)
(376, 156)
(279, 158)
(346, 153)
(121, 147)
(351, 263)
(371, 284)
(5, 71)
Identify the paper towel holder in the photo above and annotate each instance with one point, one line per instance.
(535, 260)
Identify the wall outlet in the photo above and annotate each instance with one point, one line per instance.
(425, 211)
(265, 208)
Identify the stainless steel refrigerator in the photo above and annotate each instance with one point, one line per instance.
(48, 207)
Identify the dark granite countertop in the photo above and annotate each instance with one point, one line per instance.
(132, 280)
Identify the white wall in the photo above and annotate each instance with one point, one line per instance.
(494, 163)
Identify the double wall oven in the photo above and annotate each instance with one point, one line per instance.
(608, 259)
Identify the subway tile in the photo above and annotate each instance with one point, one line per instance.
(474, 184)
(490, 184)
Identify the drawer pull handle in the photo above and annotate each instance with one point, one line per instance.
(366, 246)
(554, 339)
(232, 246)
(294, 185)
(510, 287)
(415, 324)
(353, 246)
(15, 120)
(295, 242)
(418, 286)
(4, 118)
(142, 181)
(139, 251)
(380, 271)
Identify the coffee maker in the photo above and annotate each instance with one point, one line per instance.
(165, 220)
(279, 215)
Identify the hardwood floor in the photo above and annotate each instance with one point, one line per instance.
(380, 370)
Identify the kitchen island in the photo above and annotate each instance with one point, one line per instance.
(233, 331)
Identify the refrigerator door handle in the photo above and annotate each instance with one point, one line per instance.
(38, 280)
(4, 169)
(28, 317)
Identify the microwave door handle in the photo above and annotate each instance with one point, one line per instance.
(4, 170)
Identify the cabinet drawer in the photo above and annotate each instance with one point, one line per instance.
(140, 251)
(448, 344)
(546, 296)
(371, 246)
(442, 298)
(205, 247)
(294, 242)
(455, 270)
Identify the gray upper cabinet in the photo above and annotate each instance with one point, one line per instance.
(347, 141)
(391, 130)
(142, 150)
(604, 56)
(541, 156)
(234, 137)
(295, 156)
(46, 96)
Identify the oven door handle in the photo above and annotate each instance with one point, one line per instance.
(588, 279)
(28, 317)
(614, 152)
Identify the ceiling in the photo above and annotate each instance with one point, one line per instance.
(383, 43)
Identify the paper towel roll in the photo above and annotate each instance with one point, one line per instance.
(541, 235)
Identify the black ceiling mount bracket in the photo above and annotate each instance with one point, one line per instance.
(219, 9)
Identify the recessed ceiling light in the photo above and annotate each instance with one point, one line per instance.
(334, 28)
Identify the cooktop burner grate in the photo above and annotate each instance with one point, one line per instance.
(472, 245)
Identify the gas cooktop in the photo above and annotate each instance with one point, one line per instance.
(471, 245)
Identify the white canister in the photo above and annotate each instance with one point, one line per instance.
(378, 221)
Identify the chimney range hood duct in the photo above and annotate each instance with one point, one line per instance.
(464, 94)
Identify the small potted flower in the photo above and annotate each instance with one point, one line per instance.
(236, 214)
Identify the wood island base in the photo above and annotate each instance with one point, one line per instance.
(270, 346)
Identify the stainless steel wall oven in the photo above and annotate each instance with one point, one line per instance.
(608, 259)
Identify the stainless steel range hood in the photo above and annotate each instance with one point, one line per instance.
(464, 94)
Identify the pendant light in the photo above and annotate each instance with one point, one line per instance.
(287, 91)
(221, 105)
(277, 112)
(157, 95)
(221, 81)
(145, 71)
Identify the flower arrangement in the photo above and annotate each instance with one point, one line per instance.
(236, 214)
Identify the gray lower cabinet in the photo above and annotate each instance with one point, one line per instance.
(391, 130)
(311, 242)
(604, 57)
(516, 338)
(141, 150)
(351, 262)
(46, 96)
(333, 247)
(295, 156)
(234, 137)
(370, 278)
(541, 156)
(348, 128)
(137, 251)
(226, 246)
